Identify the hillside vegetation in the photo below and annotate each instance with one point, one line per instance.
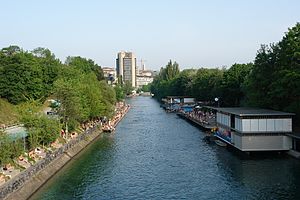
(8, 114)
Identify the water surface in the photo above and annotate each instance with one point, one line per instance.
(156, 155)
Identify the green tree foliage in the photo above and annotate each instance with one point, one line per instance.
(50, 67)
(24, 75)
(127, 87)
(206, 85)
(233, 82)
(28, 110)
(274, 81)
(8, 114)
(108, 99)
(5, 151)
(28, 78)
(42, 130)
(86, 65)
(181, 84)
(170, 71)
(120, 95)
(146, 88)
(161, 83)
(9, 149)
(82, 96)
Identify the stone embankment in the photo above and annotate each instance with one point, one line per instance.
(30, 180)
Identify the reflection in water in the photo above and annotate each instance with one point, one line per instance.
(156, 155)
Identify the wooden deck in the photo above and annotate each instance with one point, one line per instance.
(204, 126)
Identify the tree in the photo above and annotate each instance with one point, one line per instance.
(181, 85)
(11, 50)
(5, 151)
(86, 65)
(119, 92)
(161, 85)
(206, 85)
(9, 148)
(274, 81)
(233, 82)
(170, 71)
(82, 96)
(146, 88)
(25, 76)
(127, 87)
(42, 131)
(50, 66)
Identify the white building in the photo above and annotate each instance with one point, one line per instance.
(110, 74)
(126, 67)
(250, 129)
(144, 77)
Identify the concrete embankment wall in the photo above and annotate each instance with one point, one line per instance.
(30, 180)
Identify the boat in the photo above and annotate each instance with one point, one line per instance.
(220, 143)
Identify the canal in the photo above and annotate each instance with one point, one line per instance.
(156, 155)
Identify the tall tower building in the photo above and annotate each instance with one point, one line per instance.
(126, 67)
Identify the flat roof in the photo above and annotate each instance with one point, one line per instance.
(179, 97)
(248, 111)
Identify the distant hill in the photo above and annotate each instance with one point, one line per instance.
(8, 115)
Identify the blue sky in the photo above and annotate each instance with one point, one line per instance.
(194, 33)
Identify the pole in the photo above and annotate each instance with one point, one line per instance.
(24, 140)
(66, 129)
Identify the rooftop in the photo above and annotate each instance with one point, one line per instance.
(172, 97)
(247, 111)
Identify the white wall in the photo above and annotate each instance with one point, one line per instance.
(223, 119)
(236, 140)
(238, 124)
(246, 125)
(188, 100)
(265, 143)
(257, 125)
(262, 125)
(262, 143)
(266, 125)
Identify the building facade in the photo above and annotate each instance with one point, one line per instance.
(144, 77)
(250, 129)
(110, 75)
(126, 67)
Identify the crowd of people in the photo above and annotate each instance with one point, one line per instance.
(201, 116)
(120, 110)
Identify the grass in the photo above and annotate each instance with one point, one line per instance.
(8, 114)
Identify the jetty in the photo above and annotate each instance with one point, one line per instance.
(206, 125)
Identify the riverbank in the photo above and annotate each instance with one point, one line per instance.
(30, 180)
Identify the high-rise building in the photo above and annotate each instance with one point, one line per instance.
(126, 67)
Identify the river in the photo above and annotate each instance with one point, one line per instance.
(157, 155)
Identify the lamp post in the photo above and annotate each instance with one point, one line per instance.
(217, 100)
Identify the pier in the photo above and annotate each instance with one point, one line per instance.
(204, 125)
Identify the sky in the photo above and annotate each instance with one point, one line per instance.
(194, 33)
